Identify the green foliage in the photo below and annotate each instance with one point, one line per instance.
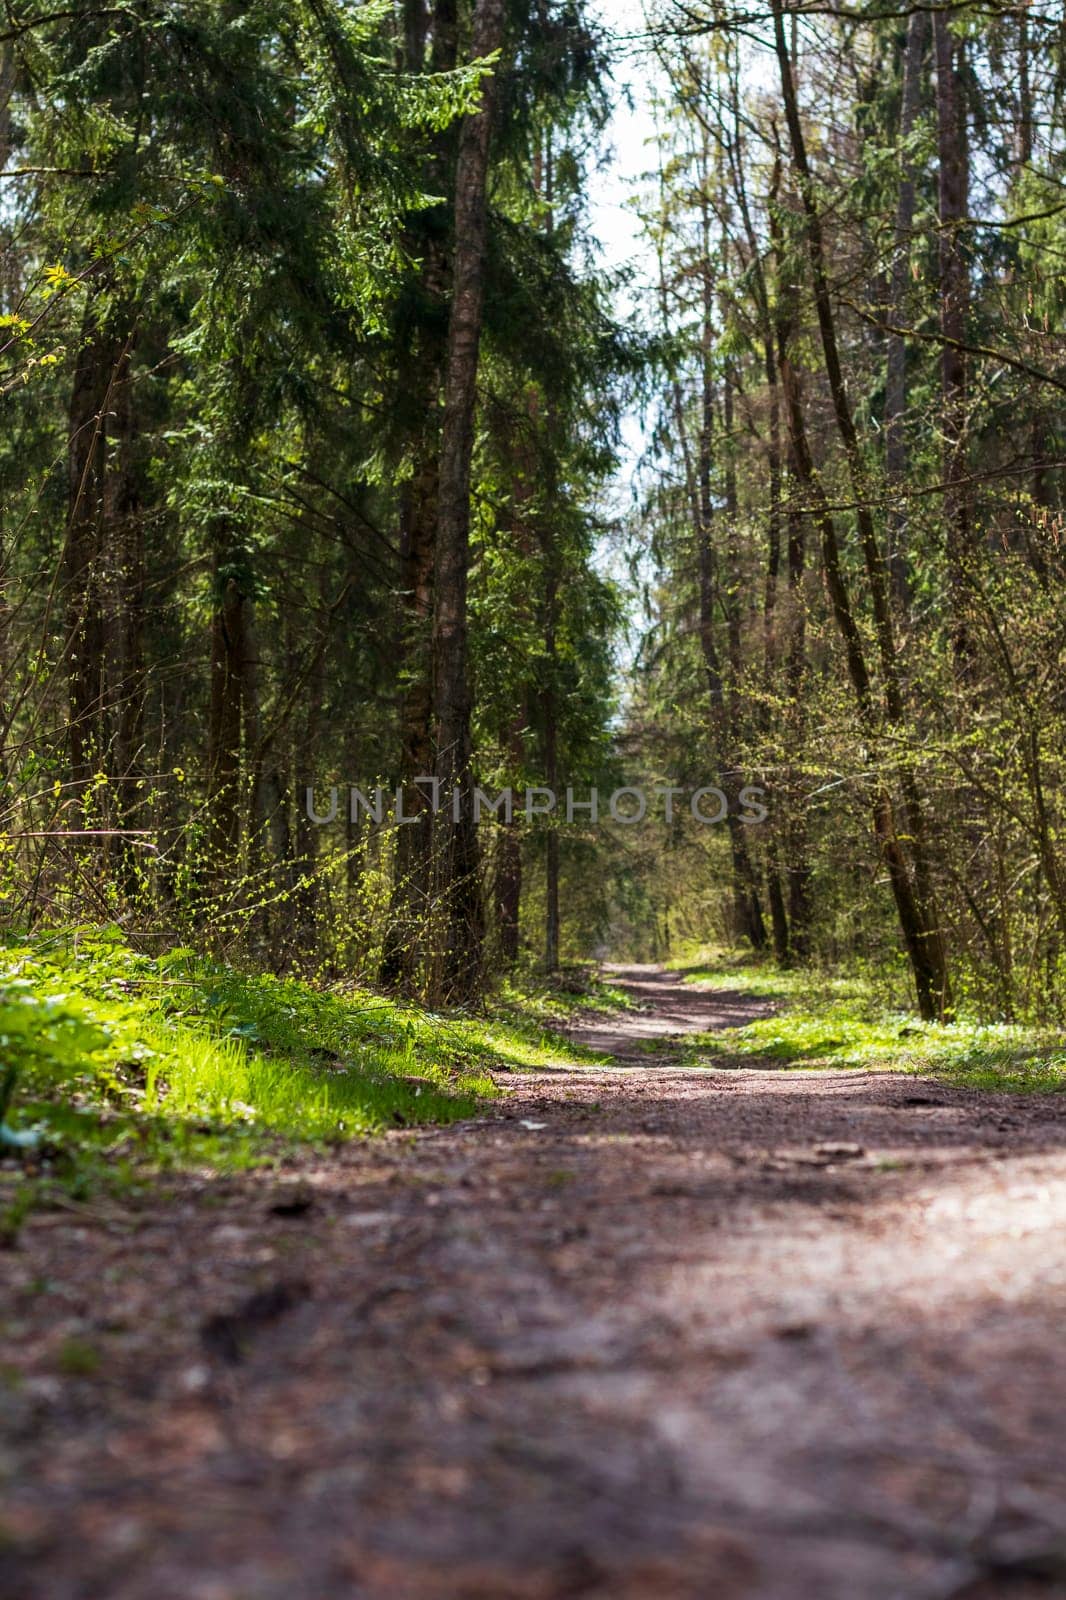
(529, 994)
(129, 1064)
(842, 1021)
(125, 1062)
(959, 731)
(228, 238)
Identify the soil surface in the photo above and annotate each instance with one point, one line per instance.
(668, 1008)
(638, 1333)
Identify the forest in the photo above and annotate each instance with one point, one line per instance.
(533, 661)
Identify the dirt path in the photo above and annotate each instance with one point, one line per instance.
(668, 1007)
(641, 1334)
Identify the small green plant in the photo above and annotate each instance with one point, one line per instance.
(78, 1358)
(43, 1036)
(13, 1213)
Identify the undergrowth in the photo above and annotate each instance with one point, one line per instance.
(826, 1019)
(116, 1065)
(530, 995)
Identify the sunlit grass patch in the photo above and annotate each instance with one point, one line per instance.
(567, 994)
(115, 1065)
(228, 1083)
(529, 1046)
(121, 1064)
(752, 977)
(528, 1015)
(849, 1029)
(715, 968)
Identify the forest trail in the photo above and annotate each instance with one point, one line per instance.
(668, 1008)
(638, 1333)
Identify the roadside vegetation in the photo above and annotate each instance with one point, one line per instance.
(554, 999)
(119, 1065)
(854, 1019)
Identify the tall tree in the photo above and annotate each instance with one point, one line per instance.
(896, 365)
(954, 299)
(457, 973)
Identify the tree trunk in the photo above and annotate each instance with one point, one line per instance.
(409, 906)
(1025, 94)
(403, 956)
(748, 911)
(103, 573)
(698, 468)
(774, 324)
(509, 862)
(101, 369)
(796, 842)
(1041, 486)
(224, 728)
(778, 911)
(911, 891)
(458, 963)
(551, 772)
(311, 888)
(896, 366)
(954, 302)
(748, 907)
(509, 892)
(124, 608)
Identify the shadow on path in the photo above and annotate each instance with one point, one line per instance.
(650, 1334)
(668, 1008)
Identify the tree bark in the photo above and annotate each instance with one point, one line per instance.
(409, 905)
(747, 908)
(228, 672)
(774, 325)
(125, 580)
(103, 577)
(698, 464)
(1041, 483)
(508, 886)
(551, 770)
(102, 362)
(954, 303)
(795, 662)
(1025, 93)
(796, 841)
(911, 888)
(403, 954)
(458, 963)
(896, 365)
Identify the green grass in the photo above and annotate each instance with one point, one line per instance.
(90, 1020)
(116, 1066)
(826, 1020)
(723, 969)
(554, 1001)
